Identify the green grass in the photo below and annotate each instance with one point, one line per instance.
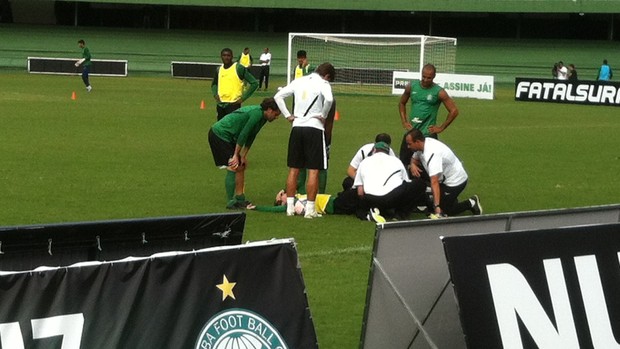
(137, 147)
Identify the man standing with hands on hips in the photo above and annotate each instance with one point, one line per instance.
(306, 147)
(227, 85)
(426, 97)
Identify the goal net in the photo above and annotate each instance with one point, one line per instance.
(364, 63)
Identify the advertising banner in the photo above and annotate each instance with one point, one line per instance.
(246, 296)
(547, 289)
(29, 246)
(457, 85)
(565, 91)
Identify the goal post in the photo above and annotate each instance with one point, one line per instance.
(365, 62)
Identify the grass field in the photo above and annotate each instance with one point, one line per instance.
(136, 147)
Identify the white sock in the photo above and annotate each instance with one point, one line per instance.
(290, 204)
(310, 206)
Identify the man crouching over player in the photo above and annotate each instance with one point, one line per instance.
(230, 140)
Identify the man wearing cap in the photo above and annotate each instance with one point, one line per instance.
(383, 185)
(362, 153)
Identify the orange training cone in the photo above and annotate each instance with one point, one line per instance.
(73, 97)
(337, 116)
(202, 104)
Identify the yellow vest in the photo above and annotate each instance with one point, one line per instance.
(299, 72)
(244, 60)
(229, 86)
(320, 203)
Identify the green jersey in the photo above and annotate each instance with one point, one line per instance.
(86, 56)
(241, 126)
(424, 106)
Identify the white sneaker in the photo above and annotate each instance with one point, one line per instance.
(290, 213)
(311, 215)
(88, 88)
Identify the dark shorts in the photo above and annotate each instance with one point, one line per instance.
(221, 150)
(306, 148)
(227, 109)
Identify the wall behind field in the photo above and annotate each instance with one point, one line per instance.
(548, 19)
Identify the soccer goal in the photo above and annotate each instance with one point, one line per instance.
(364, 63)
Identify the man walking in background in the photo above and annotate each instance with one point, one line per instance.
(85, 63)
(306, 147)
(227, 85)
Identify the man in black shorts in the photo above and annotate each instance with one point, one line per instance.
(307, 146)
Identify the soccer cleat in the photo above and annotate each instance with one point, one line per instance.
(476, 208)
(88, 88)
(239, 205)
(311, 215)
(375, 216)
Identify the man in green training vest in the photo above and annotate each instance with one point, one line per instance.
(85, 63)
(230, 140)
(426, 96)
(228, 85)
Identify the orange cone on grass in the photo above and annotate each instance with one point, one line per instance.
(202, 104)
(337, 116)
(73, 96)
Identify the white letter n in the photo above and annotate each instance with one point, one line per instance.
(512, 296)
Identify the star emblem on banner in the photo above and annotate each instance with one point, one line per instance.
(227, 288)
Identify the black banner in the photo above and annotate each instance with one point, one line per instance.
(102, 67)
(565, 91)
(31, 246)
(249, 296)
(552, 289)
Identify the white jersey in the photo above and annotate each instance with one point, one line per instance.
(265, 58)
(380, 174)
(313, 99)
(563, 73)
(364, 152)
(440, 160)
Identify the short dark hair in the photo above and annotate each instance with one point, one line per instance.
(81, 42)
(226, 49)
(326, 69)
(416, 135)
(301, 54)
(604, 61)
(430, 66)
(383, 137)
(269, 103)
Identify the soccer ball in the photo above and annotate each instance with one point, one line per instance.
(300, 207)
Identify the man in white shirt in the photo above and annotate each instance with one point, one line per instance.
(383, 185)
(362, 153)
(562, 71)
(447, 175)
(306, 148)
(265, 63)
